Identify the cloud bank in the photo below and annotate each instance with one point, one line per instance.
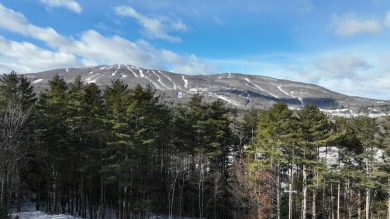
(89, 49)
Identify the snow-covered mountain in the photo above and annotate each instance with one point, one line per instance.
(238, 90)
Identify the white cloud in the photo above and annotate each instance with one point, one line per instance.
(350, 25)
(26, 57)
(188, 65)
(387, 19)
(69, 4)
(17, 23)
(341, 66)
(154, 27)
(91, 48)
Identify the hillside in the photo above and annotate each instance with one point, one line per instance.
(238, 90)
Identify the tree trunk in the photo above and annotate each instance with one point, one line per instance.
(278, 192)
(304, 192)
(368, 198)
(290, 193)
(313, 204)
(359, 205)
(388, 206)
(338, 199)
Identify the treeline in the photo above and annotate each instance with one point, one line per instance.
(124, 153)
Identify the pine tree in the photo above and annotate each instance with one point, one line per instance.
(316, 133)
(16, 102)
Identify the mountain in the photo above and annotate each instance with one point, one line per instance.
(238, 90)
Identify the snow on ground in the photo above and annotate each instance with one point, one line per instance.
(227, 100)
(41, 215)
(347, 113)
(174, 85)
(258, 87)
(123, 76)
(37, 81)
(180, 94)
(131, 70)
(185, 81)
(155, 84)
(288, 94)
(114, 73)
(141, 74)
(159, 80)
(247, 95)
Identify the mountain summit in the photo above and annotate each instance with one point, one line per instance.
(238, 90)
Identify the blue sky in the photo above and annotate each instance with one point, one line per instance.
(341, 45)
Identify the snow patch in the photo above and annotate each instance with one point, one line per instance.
(180, 94)
(104, 67)
(91, 72)
(37, 81)
(159, 80)
(283, 91)
(141, 74)
(228, 100)
(248, 97)
(114, 73)
(131, 70)
(155, 84)
(41, 215)
(174, 84)
(258, 87)
(185, 81)
(290, 95)
(300, 99)
(67, 70)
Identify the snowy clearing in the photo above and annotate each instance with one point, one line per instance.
(185, 81)
(41, 215)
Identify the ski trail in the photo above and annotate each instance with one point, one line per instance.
(109, 67)
(155, 84)
(36, 81)
(131, 70)
(283, 91)
(227, 100)
(289, 94)
(159, 80)
(300, 99)
(104, 67)
(114, 73)
(248, 97)
(91, 72)
(123, 76)
(91, 80)
(258, 87)
(141, 74)
(185, 81)
(174, 84)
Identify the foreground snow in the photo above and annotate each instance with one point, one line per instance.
(41, 215)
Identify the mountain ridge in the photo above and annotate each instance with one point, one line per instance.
(236, 89)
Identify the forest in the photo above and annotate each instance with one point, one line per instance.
(122, 152)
